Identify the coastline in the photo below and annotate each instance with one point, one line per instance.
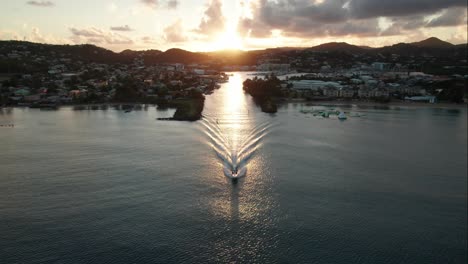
(283, 101)
(368, 103)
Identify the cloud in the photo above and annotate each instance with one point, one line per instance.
(213, 21)
(248, 27)
(450, 17)
(358, 18)
(41, 3)
(149, 40)
(36, 36)
(156, 4)
(399, 8)
(151, 3)
(97, 36)
(175, 32)
(301, 18)
(125, 28)
(172, 4)
(404, 24)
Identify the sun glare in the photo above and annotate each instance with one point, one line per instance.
(228, 40)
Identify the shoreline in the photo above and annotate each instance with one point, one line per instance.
(367, 103)
(285, 101)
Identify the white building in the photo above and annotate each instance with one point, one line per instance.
(314, 85)
(199, 71)
(380, 66)
(430, 99)
(273, 67)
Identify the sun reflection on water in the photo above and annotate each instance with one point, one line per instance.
(235, 130)
(234, 110)
(232, 124)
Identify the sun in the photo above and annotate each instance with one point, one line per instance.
(228, 40)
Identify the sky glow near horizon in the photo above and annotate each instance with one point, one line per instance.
(208, 25)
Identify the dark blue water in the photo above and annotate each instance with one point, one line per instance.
(114, 187)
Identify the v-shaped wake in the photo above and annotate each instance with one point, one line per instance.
(234, 154)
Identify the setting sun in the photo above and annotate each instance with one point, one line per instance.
(228, 40)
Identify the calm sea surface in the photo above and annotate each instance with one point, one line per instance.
(104, 186)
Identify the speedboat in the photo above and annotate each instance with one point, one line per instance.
(234, 173)
(234, 176)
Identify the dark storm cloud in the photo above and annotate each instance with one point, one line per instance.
(403, 24)
(300, 18)
(305, 18)
(351, 28)
(450, 17)
(398, 8)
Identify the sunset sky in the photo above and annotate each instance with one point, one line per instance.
(207, 25)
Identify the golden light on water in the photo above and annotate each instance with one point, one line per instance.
(235, 113)
(234, 99)
(229, 120)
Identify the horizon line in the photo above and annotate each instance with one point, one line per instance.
(231, 50)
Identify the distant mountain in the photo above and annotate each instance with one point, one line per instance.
(433, 43)
(91, 53)
(128, 52)
(236, 57)
(366, 47)
(338, 46)
(86, 52)
(179, 56)
(428, 47)
(400, 48)
(169, 56)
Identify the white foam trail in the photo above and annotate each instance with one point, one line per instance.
(234, 157)
(215, 135)
(251, 143)
(216, 131)
(255, 133)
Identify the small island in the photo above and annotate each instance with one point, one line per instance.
(264, 91)
(189, 108)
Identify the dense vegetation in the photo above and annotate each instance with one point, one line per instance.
(260, 88)
(190, 109)
(339, 55)
(264, 91)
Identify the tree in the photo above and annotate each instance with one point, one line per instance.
(195, 94)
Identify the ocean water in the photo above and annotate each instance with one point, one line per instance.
(104, 186)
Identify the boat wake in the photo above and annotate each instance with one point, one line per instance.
(234, 149)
